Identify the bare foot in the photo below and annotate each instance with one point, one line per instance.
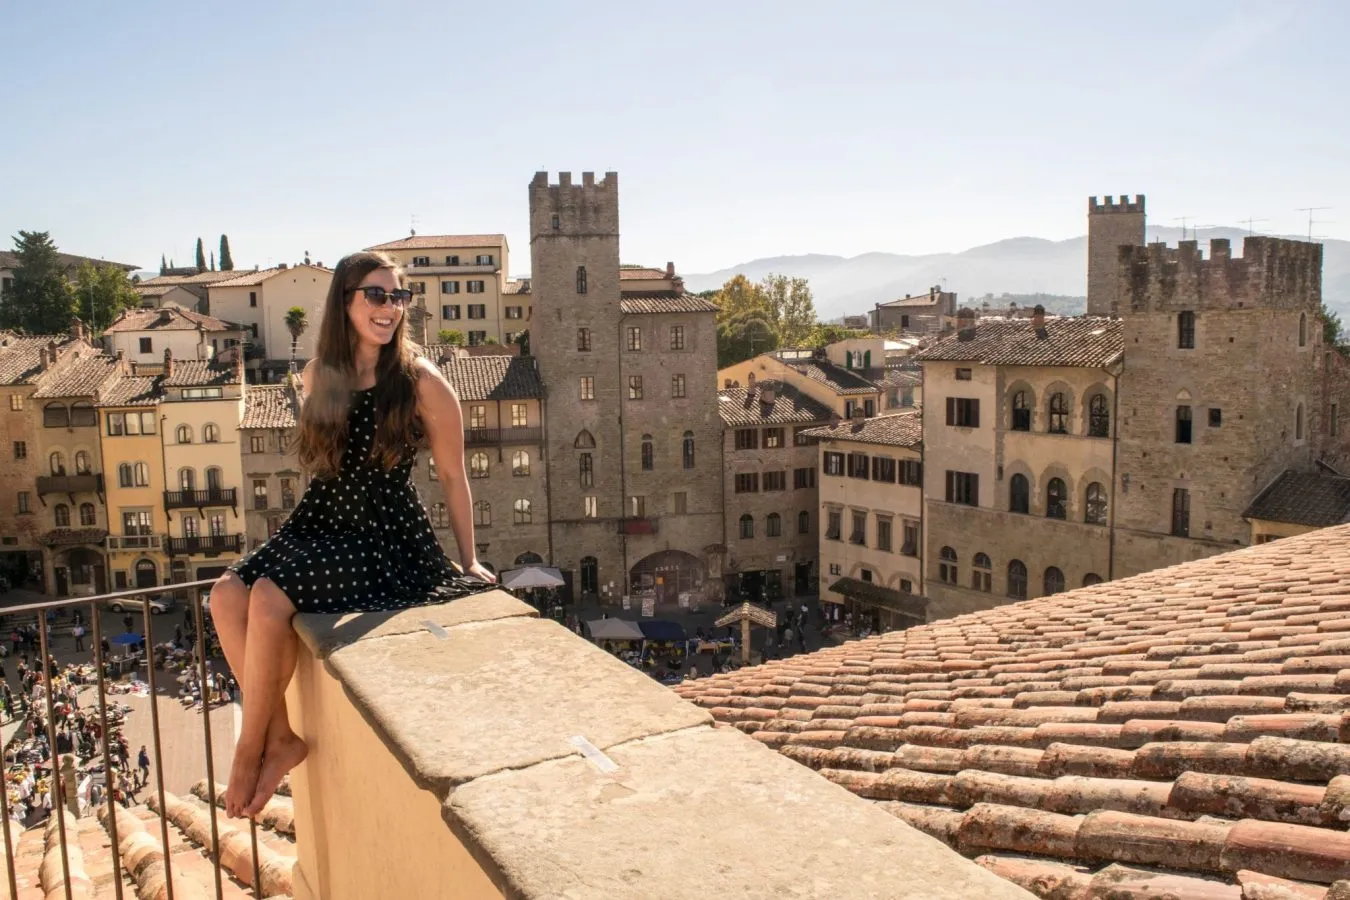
(243, 781)
(281, 755)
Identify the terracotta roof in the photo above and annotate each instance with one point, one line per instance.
(8, 260)
(521, 286)
(77, 378)
(896, 377)
(632, 304)
(59, 537)
(918, 300)
(494, 378)
(1304, 498)
(1087, 341)
(837, 378)
(199, 278)
(154, 290)
(1182, 733)
(742, 406)
(249, 279)
(642, 273)
(268, 406)
(133, 390)
(202, 373)
(900, 430)
(154, 320)
(439, 241)
(19, 357)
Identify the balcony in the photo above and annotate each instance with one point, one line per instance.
(637, 526)
(70, 484)
(482, 437)
(134, 542)
(199, 499)
(205, 543)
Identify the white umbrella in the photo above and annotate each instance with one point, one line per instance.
(532, 577)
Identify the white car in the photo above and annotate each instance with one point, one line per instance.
(158, 605)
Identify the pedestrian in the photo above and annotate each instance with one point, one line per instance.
(178, 636)
(787, 636)
(143, 763)
(78, 633)
(127, 622)
(105, 647)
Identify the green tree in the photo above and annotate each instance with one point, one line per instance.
(1331, 330)
(101, 293)
(297, 321)
(163, 264)
(824, 333)
(739, 296)
(744, 336)
(522, 341)
(226, 260)
(213, 260)
(453, 338)
(201, 257)
(40, 300)
(791, 308)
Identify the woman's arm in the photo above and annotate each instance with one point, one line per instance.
(443, 423)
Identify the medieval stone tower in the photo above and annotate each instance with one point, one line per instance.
(1219, 392)
(1111, 225)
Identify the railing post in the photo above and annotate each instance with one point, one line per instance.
(210, 748)
(107, 756)
(56, 783)
(159, 752)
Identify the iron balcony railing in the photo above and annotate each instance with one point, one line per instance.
(70, 484)
(205, 543)
(92, 607)
(479, 437)
(133, 542)
(198, 499)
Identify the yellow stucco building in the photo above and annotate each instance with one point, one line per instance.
(130, 434)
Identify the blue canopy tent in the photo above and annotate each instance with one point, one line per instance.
(661, 630)
(128, 638)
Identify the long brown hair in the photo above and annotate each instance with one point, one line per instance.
(323, 418)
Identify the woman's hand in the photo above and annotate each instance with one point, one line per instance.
(477, 570)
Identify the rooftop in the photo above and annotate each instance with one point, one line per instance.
(8, 260)
(900, 430)
(519, 286)
(133, 390)
(896, 377)
(1181, 733)
(258, 276)
(1079, 341)
(494, 377)
(210, 277)
(21, 357)
(443, 242)
(744, 406)
(644, 303)
(1303, 498)
(203, 373)
(837, 378)
(77, 377)
(930, 299)
(269, 406)
(168, 318)
(642, 273)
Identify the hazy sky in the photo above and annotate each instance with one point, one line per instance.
(739, 129)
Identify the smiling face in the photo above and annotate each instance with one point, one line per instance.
(375, 324)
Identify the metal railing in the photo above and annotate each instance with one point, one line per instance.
(93, 606)
(478, 437)
(205, 543)
(197, 499)
(133, 542)
(88, 482)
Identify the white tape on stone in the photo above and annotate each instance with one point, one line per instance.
(594, 755)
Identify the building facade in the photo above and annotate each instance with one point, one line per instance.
(272, 477)
(133, 455)
(143, 336)
(1112, 224)
(258, 302)
(928, 313)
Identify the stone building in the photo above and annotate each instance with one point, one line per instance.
(871, 502)
(770, 476)
(144, 335)
(1298, 502)
(1112, 224)
(177, 288)
(273, 479)
(926, 313)
(258, 302)
(844, 390)
(631, 425)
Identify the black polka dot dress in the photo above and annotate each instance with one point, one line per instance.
(361, 541)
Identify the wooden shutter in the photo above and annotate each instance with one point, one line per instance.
(951, 410)
(951, 483)
(974, 413)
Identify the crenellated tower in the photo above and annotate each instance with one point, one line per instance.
(1112, 224)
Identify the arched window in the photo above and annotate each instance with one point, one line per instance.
(210, 433)
(1021, 412)
(803, 522)
(478, 465)
(81, 462)
(58, 462)
(947, 572)
(61, 513)
(581, 279)
(1094, 510)
(187, 479)
(1298, 422)
(1056, 499)
(747, 526)
(981, 576)
(1019, 494)
(586, 470)
(482, 514)
(688, 449)
(520, 463)
(1059, 414)
(55, 415)
(1054, 581)
(1017, 580)
(439, 517)
(214, 478)
(1099, 417)
(183, 434)
(82, 413)
(773, 525)
(1303, 329)
(143, 474)
(524, 512)
(590, 575)
(124, 475)
(1091, 578)
(647, 454)
(88, 517)
(585, 440)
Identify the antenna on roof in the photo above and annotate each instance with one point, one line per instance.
(1249, 222)
(412, 225)
(1310, 210)
(1183, 220)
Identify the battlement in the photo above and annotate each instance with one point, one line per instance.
(1108, 205)
(565, 208)
(1271, 273)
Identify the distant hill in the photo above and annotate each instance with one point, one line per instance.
(1023, 265)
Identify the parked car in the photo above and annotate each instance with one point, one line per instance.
(158, 605)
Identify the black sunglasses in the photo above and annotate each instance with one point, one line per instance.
(378, 296)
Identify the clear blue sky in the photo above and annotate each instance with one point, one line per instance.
(739, 129)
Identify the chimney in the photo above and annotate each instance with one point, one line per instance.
(767, 393)
(282, 267)
(965, 324)
(165, 314)
(670, 270)
(43, 362)
(168, 363)
(77, 331)
(1038, 320)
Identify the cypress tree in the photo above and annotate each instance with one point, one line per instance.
(226, 261)
(213, 260)
(163, 264)
(201, 257)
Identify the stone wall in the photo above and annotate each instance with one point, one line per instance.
(277, 461)
(1111, 225)
(762, 552)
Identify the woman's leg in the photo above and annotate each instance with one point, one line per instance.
(266, 748)
(229, 612)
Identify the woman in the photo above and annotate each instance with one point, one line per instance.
(359, 540)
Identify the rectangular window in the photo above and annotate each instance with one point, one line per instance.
(449, 287)
(680, 502)
(869, 407)
(210, 393)
(836, 569)
(858, 535)
(773, 438)
(677, 337)
(634, 387)
(634, 338)
(417, 287)
(587, 387)
(260, 493)
(1216, 417)
(253, 329)
(519, 415)
(637, 507)
(1183, 424)
(963, 412)
(834, 463)
(747, 439)
(911, 472)
(677, 386)
(452, 260)
(963, 487)
(23, 506)
(906, 585)
(136, 523)
(257, 443)
(910, 547)
(834, 518)
(477, 311)
(484, 259)
(253, 300)
(450, 311)
(883, 469)
(803, 478)
(421, 260)
(775, 481)
(856, 465)
(477, 338)
(116, 424)
(288, 491)
(147, 345)
(474, 287)
(584, 340)
(747, 483)
(962, 374)
(16, 402)
(590, 507)
(1186, 330)
(478, 416)
(849, 407)
(1181, 512)
(883, 534)
(586, 470)
(20, 449)
(120, 580)
(273, 525)
(801, 439)
(515, 312)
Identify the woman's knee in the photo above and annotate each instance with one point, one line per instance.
(266, 599)
(229, 596)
